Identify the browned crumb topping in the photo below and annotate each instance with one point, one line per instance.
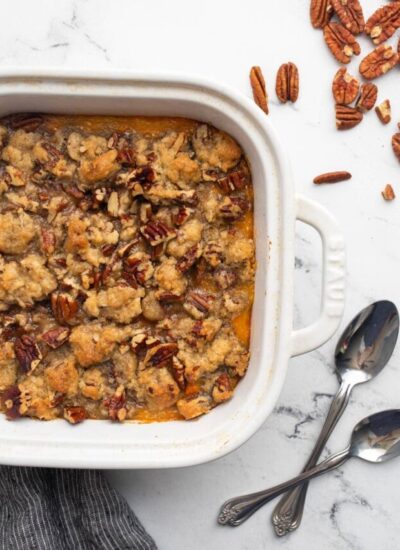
(126, 268)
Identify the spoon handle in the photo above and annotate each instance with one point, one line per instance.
(237, 510)
(289, 511)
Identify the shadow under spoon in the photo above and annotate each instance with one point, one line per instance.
(374, 439)
(363, 350)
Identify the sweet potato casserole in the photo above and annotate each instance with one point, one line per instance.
(126, 267)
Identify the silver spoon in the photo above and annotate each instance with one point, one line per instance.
(364, 348)
(374, 439)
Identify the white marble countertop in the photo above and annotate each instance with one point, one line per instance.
(357, 507)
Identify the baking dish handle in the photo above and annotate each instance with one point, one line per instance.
(333, 284)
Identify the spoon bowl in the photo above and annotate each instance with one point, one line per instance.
(377, 438)
(367, 343)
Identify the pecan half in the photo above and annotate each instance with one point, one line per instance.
(186, 261)
(367, 98)
(225, 278)
(55, 337)
(332, 177)
(222, 390)
(258, 86)
(388, 193)
(161, 355)
(350, 14)
(234, 181)
(75, 415)
(378, 62)
(383, 23)
(168, 298)
(181, 215)
(11, 401)
(233, 208)
(178, 372)
(48, 241)
(198, 303)
(344, 87)
(396, 145)
(27, 353)
(384, 112)
(320, 13)
(287, 83)
(64, 307)
(140, 266)
(347, 117)
(25, 121)
(116, 404)
(157, 232)
(341, 42)
(145, 212)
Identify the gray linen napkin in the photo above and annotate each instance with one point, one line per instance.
(50, 509)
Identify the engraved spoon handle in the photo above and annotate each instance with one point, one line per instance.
(288, 512)
(237, 510)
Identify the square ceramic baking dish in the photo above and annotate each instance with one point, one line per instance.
(101, 444)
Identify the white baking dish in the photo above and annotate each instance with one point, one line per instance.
(102, 444)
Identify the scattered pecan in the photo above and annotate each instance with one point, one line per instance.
(161, 355)
(198, 303)
(186, 261)
(25, 121)
(156, 232)
(27, 353)
(350, 14)
(259, 89)
(116, 404)
(55, 337)
(388, 193)
(378, 62)
(11, 401)
(234, 181)
(344, 87)
(332, 177)
(64, 307)
(287, 83)
(178, 372)
(383, 23)
(75, 415)
(341, 42)
(396, 145)
(384, 112)
(367, 98)
(320, 13)
(48, 241)
(347, 117)
(233, 208)
(182, 215)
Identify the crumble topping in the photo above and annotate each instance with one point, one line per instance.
(126, 267)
